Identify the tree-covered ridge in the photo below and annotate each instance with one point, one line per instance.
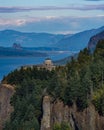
(81, 81)
(31, 85)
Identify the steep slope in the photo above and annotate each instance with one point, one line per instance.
(57, 114)
(8, 37)
(91, 45)
(6, 91)
(78, 41)
(94, 40)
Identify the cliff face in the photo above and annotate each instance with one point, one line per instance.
(94, 40)
(6, 91)
(57, 112)
(54, 113)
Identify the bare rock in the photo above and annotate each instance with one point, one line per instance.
(6, 91)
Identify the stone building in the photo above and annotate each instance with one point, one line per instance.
(48, 64)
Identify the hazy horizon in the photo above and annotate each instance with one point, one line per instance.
(51, 16)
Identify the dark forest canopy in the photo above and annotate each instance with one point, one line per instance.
(80, 81)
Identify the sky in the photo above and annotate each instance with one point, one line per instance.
(51, 16)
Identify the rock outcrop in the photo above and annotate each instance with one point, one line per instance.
(6, 91)
(45, 123)
(54, 112)
(57, 112)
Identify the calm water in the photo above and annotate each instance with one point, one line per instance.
(9, 64)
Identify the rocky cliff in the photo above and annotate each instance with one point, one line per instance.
(46, 114)
(6, 91)
(57, 112)
(54, 112)
(94, 40)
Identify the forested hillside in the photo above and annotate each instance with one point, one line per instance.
(80, 81)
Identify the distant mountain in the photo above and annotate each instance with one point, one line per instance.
(8, 37)
(48, 41)
(78, 41)
(91, 45)
(94, 40)
(65, 60)
(6, 51)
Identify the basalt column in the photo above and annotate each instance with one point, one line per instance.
(45, 123)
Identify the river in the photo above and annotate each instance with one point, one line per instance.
(8, 64)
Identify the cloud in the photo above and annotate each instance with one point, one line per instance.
(53, 24)
(45, 8)
(12, 22)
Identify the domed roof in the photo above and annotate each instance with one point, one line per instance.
(48, 61)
